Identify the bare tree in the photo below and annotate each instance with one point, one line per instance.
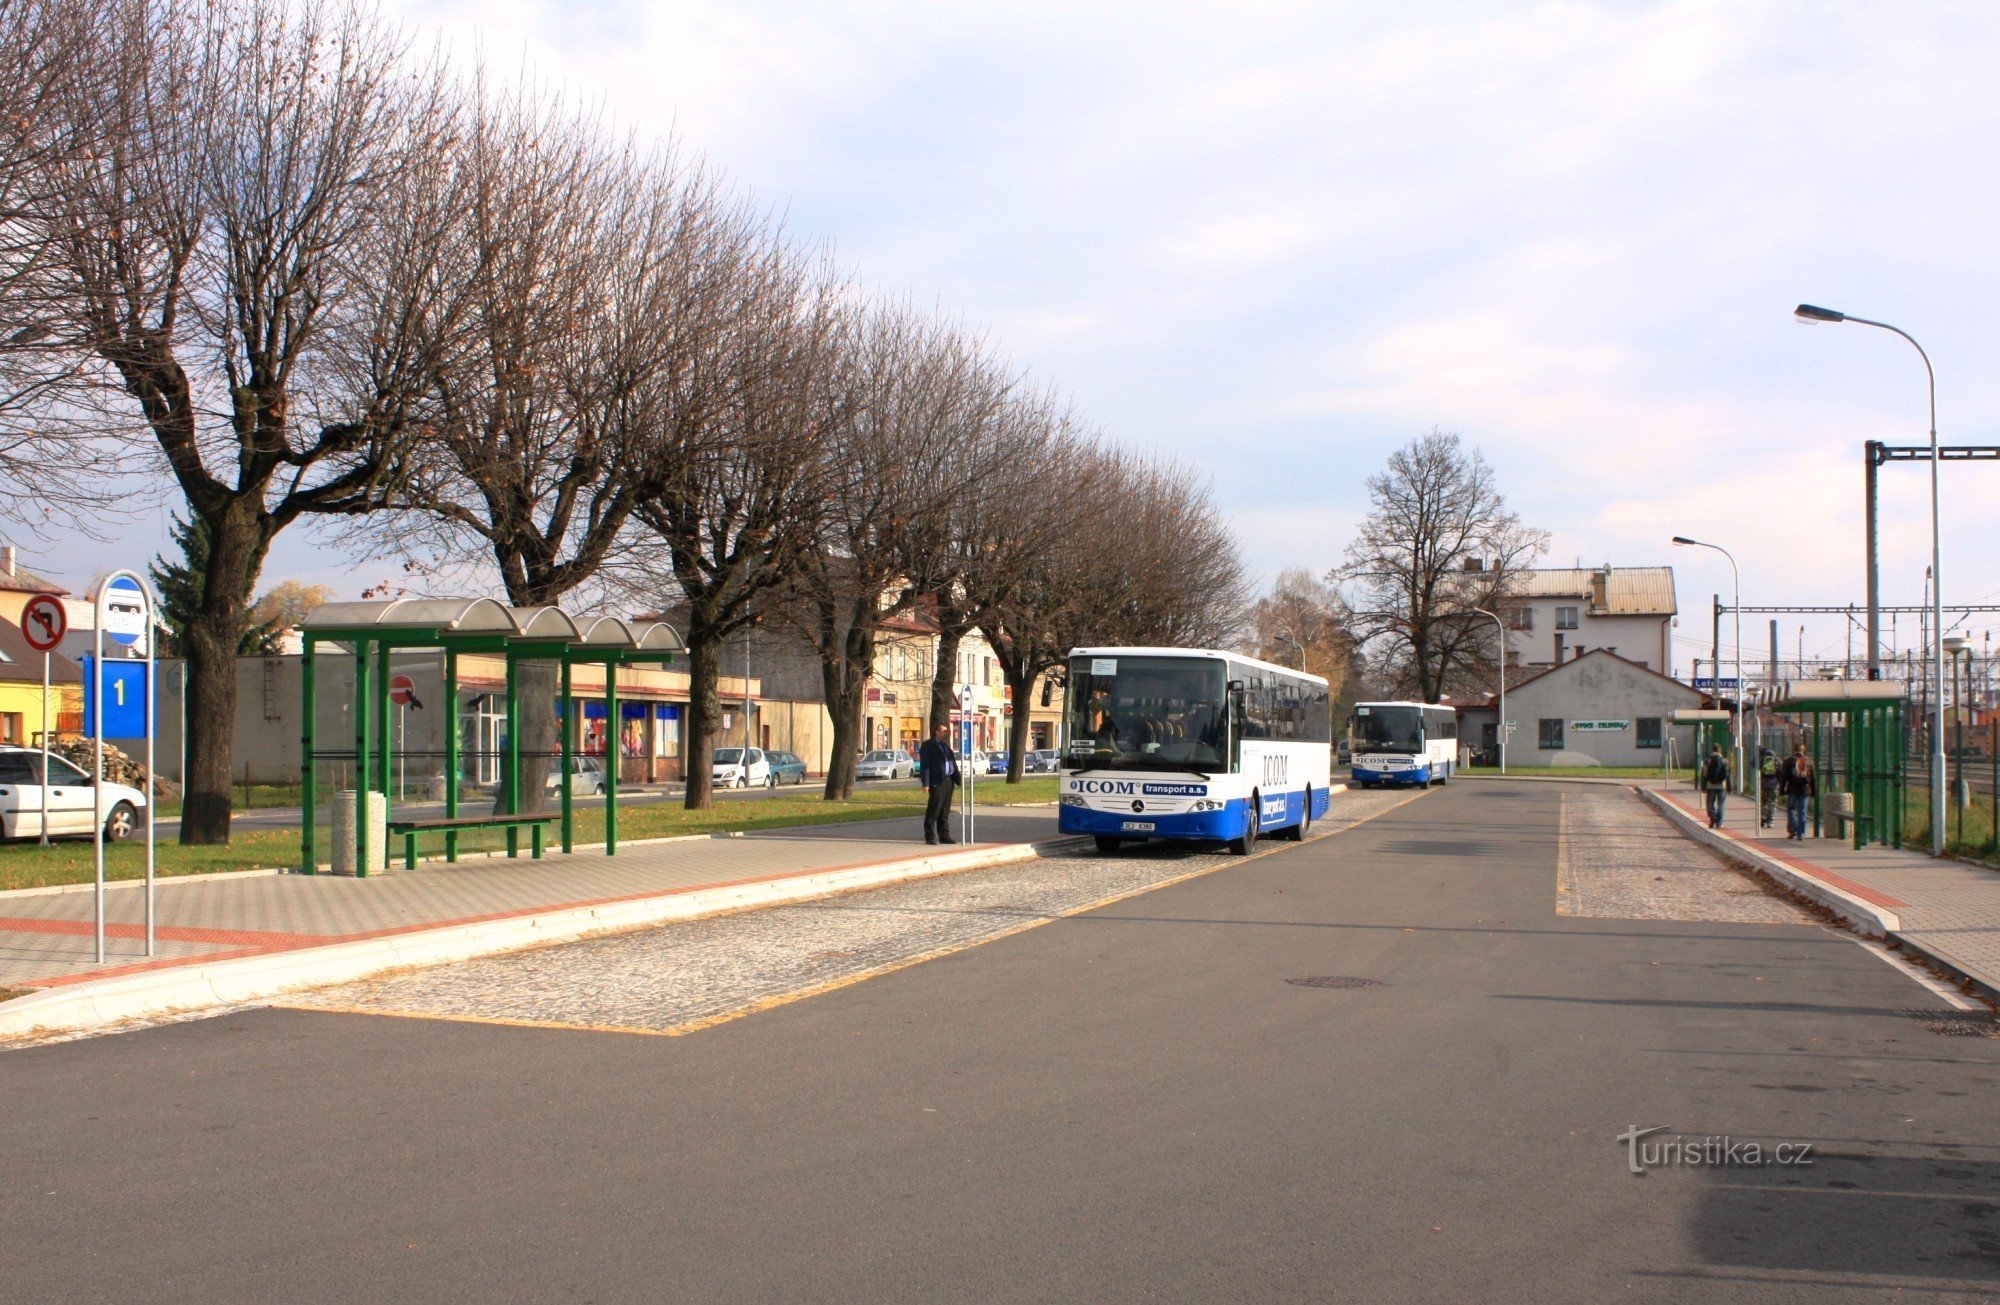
(55, 454)
(1438, 540)
(918, 390)
(1042, 597)
(579, 266)
(251, 253)
(1302, 622)
(748, 431)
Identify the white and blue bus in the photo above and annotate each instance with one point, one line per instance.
(1188, 743)
(1402, 743)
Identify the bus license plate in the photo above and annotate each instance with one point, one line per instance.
(1137, 826)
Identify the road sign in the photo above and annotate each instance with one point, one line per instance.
(1710, 682)
(44, 621)
(403, 692)
(125, 714)
(125, 612)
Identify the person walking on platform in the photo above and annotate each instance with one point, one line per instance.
(1715, 784)
(939, 765)
(1767, 786)
(1798, 780)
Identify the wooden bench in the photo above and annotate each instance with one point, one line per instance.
(408, 830)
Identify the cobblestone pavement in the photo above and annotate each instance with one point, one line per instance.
(1621, 860)
(683, 976)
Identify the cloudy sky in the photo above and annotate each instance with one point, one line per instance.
(1280, 239)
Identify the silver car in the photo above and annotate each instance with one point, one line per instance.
(885, 763)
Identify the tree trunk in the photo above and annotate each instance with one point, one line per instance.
(538, 685)
(704, 714)
(944, 681)
(236, 554)
(1017, 726)
(846, 682)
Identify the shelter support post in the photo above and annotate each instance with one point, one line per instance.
(565, 726)
(364, 749)
(451, 746)
(614, 750)
(511, 784)
(385, 738)
(308, 798)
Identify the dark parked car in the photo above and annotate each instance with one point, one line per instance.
(786, 768)
(1042, 761)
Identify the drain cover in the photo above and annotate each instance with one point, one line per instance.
(1957, 1023)
(1334, 981)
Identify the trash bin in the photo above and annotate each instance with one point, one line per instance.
(375, 856)
(1839, 810)
(436, 788)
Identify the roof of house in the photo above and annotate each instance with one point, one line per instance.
(1628, 590)
(1513, 684)
(20, 663)
(20, 580)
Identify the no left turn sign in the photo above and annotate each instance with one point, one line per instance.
(44, 622)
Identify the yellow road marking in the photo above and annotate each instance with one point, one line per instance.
(846, 980)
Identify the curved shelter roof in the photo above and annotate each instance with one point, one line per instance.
(459, 615)
(612, 632)
(488, 618)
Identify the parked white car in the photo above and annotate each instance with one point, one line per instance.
(730, 770)
(885, 763)
(72, 799)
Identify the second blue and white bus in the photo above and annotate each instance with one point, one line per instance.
(1413, 743)
(1191, 743)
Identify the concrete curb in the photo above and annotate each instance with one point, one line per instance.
(1863, 917)
(194, 987)
(1627, 782)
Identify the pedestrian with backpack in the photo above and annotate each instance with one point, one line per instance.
(1715, 784)
(1767, 786)
(1798, 780)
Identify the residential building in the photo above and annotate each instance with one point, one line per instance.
(1555, 614)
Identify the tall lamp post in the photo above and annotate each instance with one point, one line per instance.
(1814, 313)
(1501, 626)
(1736, 603)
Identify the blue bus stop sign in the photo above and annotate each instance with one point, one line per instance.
(125, 612)
(126, 714)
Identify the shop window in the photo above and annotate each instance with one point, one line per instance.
(1551, 735)
(1649, 732)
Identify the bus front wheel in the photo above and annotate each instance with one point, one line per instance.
(1241, 846)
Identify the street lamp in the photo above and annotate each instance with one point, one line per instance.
(1502, 731)
(1736, 606)
(1814, 313)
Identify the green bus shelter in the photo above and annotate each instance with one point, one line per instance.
(369, 632)
(1869, 714)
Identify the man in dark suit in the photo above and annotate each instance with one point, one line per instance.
(940, 771)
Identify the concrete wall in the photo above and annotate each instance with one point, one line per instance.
(1597, 687)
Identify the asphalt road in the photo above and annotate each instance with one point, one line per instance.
(1132, 1102)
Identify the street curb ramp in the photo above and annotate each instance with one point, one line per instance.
(213, 985)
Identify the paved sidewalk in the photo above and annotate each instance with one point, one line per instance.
(45, 937)
(1946, 910)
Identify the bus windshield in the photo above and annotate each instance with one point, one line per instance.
(1388, 729)
(1146, 713)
